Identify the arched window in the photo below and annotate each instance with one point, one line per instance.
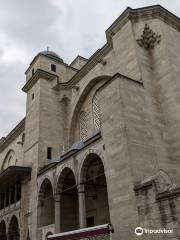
(96, 111)
(83, 121)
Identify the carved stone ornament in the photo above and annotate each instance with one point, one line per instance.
(149, 38)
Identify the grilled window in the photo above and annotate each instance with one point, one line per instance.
(83, 120)
(96, 111)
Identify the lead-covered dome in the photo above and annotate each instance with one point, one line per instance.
(51, 54)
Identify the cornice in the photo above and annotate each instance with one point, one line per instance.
(13, 134)
(155, 12)
(168, 194)
(173, 193)
(133, 15)
(45, 56)
(39, 74)
(55, 59)
(93, 60)
(80, 57)
(145, 13)
(143, 186)
(70, 153)
(123, 77)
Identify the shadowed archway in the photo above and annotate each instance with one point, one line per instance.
(96, 196)
(3, 235)
(45, 204)
(13, 231)
(69, 211)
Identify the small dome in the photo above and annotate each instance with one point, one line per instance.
(50, 54)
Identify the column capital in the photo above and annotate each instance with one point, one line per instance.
(81, 188)
(57, 197)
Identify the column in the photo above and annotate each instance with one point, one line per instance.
(9, 195)
(5, 197)
(2, 200)
(8, 236)
(82, 205)
(15, 194)
(58, 213)
(18, 192)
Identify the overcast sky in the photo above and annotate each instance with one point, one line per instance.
(68, 27)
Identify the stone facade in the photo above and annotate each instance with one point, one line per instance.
(100, 141)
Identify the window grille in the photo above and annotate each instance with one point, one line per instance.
(96, 111)
(83, 120)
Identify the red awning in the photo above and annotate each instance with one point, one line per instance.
(83, 233)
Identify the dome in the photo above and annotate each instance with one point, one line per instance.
(50, 54)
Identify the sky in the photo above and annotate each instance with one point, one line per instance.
(68, 27)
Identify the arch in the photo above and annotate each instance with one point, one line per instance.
(3, 235)
(69, 208)
(9, 160)
(45, 204)
(79, 102)
(13, 230)
(85, 156)
(92, 176)
(60, 177)
(44, 179)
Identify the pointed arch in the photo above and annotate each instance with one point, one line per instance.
(3, 234)
(68, 193)
(80, 100)
(13, 230)
(92, 176)
(45, 204)
(9, 160)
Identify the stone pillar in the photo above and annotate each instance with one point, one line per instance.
(58, 213)
(8, 236)
(0, 200)
(18, 192)
(5, 197)
(9, 195)
(82, 206)
(15, 194)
